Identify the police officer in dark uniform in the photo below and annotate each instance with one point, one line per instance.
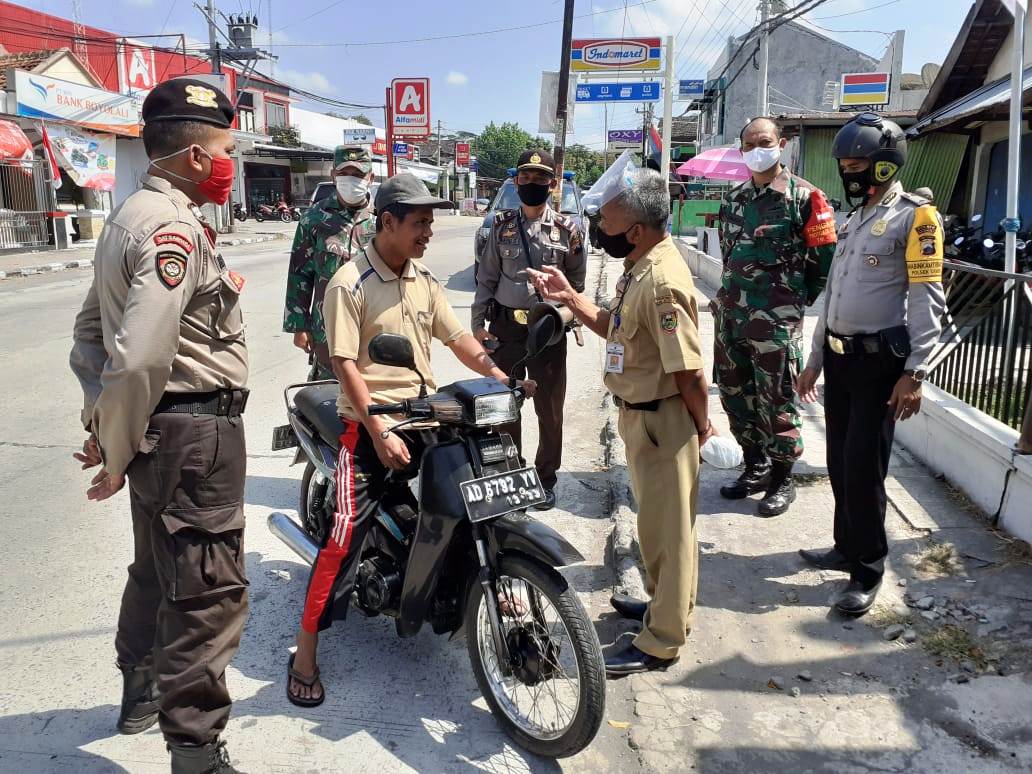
(160, 353)
(881, 320)
(531, 237)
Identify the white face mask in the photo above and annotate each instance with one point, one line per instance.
(762, 159)
(352, 190)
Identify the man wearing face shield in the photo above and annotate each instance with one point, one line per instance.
(777, 237)
(160, 353)
(331, 232)
(654, 370)
(532, 237)
(880, 322)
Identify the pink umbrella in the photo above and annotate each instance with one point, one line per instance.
(717, 164)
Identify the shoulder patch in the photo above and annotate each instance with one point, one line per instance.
(171, 269)
(925, 246)
(167, 238)
(668, 321)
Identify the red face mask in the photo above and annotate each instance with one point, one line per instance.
(217, 186)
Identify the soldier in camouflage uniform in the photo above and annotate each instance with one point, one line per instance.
(777, 238)
(330, 233)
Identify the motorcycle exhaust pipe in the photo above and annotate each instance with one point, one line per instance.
(297, 540)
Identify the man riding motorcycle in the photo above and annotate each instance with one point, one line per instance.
(385, 289)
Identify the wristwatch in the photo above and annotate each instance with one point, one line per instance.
(917, 374)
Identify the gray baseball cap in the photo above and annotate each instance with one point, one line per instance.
(408, 189)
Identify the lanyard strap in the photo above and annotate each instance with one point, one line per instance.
(526, 247)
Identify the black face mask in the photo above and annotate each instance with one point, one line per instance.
(857, 184)
(533, 194)
(615, 244)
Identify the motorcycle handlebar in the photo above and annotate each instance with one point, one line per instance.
(387, 408)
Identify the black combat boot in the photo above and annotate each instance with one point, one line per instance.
(139, 700)
(780, 492)
(211, 758)
(755, 478)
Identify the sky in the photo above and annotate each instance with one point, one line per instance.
(486, 61)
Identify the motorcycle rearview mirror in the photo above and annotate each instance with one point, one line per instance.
(958, 241)
(552, 333)
(540, 335)
(390, 349)
(976, 219)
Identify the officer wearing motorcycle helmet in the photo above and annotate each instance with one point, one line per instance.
(879, 324)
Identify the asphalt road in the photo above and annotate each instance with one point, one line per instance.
(392, 705)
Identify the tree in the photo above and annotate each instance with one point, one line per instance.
(587, 164)
(285, 136)
(499, 147)
(362, 118)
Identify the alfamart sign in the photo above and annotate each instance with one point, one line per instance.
(601, 55)
(39, 96)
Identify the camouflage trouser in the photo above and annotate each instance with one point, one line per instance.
(755, 380)
(319, 360)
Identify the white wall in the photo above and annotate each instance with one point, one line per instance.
(130, 163)
(322, 130)
(1001, 66)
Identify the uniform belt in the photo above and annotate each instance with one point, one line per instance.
(649, 405)
(860, 344)
(222, 403)
(518, 316)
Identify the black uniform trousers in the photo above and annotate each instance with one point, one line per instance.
(185, 602)
(860, 428)
(548, 369)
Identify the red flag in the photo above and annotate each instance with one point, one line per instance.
(55, 170)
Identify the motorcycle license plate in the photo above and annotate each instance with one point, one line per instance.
(283, 437)
(501, 493)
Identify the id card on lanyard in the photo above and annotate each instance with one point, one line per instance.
(614, 349)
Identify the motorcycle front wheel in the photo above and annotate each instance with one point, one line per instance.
(285, 217)
(550, 697)
(259, 217)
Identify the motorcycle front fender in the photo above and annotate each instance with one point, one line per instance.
(518, 533)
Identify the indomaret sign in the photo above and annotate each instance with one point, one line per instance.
(608, 54)
(410, 99)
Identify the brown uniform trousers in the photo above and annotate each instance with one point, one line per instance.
(185, 601)
(548, 369)
(663, 462)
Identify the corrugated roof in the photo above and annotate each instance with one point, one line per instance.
(25, 60)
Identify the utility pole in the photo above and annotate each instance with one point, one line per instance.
(668, 111)
(605, 132)
(761, 97)
(438, 142)
(563, 98)
(216, 56)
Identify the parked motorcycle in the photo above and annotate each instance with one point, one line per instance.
(295, 213)
(463, 554)
(279, 210)
(239, 213)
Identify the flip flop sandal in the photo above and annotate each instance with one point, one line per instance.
(307, 682)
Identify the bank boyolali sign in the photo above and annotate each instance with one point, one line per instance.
(607, 54)
(38, 96)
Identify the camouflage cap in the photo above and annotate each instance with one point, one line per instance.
(356, 156)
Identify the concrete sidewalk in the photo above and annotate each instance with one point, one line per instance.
(935, 678)
(32, 262)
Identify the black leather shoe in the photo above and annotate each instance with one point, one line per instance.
(629, 660)
(826, 560)
(856, 600)
(139, 700)
(755, 478)
(549, 503)
(212, 758)
(780, 493)
(629, 607)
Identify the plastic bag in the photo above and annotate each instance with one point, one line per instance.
(722, 452)
(612, 182)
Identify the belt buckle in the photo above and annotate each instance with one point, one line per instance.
(520, 316)
(836, 345)
(225, 402)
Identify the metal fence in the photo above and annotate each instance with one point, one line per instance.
(25, 199)
(984, 356)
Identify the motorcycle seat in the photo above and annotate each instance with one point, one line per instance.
(318, 404)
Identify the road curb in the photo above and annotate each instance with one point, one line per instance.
(87, 263)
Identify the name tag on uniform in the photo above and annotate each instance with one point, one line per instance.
(614, 358)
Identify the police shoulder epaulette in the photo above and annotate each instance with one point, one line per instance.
(914, 198)
(566, 222)
(427, 273)
(504, 216)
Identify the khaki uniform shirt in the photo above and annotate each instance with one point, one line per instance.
(553, 239)
(162, 315)
(655, 319)
(887, 272)
(366, 298)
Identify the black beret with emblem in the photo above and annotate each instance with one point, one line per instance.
(188, 99)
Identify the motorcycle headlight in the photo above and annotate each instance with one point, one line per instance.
(499, 409)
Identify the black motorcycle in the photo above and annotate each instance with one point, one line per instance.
(463, 554)
(239, 213)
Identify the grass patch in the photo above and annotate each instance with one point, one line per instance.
(809, 479)
(882, 617)
(940, 558)
(955, 643)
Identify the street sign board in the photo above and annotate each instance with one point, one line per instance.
(610, 54)
(40, 96)
(136, 71)
(638, 91)
(550, 103)
(620, 139)
(865, 89)
(401, 149)
(462, 157)
(474, 165)
(410, 100)
(693, 89)
(365, 135)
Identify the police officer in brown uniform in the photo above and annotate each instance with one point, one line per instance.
(160, 353)
(654, 369)
(530, 237)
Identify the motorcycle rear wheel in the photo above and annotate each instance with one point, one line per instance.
(259, 217)
(560, 659)
(285, 217)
